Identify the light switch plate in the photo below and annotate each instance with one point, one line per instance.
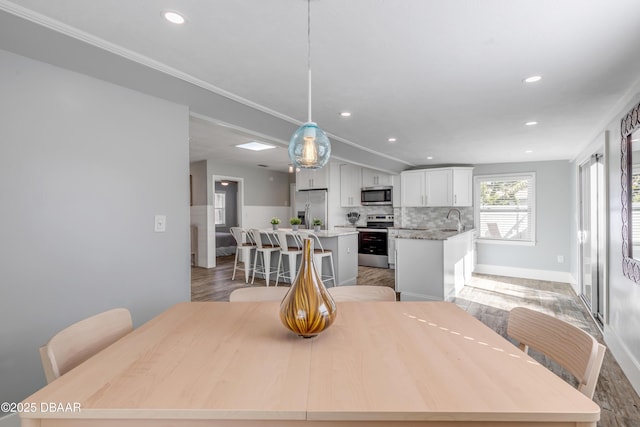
(160, 223)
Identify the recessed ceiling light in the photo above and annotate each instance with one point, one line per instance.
(345, 114)
(528, 151)
(173, 17)
(392, 139)
(255, 146)
(532, 79)
(531, 123)
(429, 157)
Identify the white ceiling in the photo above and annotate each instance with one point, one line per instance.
(442, 76)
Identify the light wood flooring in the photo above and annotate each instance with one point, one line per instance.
(488, 298)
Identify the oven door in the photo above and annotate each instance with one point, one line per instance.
(372, 247)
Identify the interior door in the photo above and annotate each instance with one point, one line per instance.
(592, 235)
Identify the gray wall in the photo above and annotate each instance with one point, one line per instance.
(198, 172)
(262, 187)
(85, 166)
(553, 219)
(621, 333)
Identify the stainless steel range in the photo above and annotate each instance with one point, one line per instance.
(372, 241)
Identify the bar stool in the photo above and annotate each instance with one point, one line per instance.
(319, 254)
(265, 250)
(243, 248)
(291, 252)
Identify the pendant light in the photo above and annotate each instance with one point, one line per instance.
(309, 147)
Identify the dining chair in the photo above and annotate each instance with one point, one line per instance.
(244, 246)
(319, 254)
(569, 346)
(78, 342)
(263, 253)
(362, 293)
(290, 252)
(259, 293)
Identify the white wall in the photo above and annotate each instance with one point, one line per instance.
(84, 167)
(554, 221)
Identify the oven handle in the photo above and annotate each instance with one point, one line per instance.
(374, 230)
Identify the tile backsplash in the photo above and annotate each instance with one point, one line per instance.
(431, 217)
(416, 217)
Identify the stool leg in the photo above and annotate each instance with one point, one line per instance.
(255, 266)
(293, 262)
(333, 272)
(235, 265)
(266, 258)
(278, 270)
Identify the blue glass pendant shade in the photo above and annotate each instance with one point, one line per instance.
(309, 147)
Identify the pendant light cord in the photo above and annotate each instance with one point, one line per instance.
(309, 52)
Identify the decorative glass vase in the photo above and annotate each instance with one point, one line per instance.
(307, 309)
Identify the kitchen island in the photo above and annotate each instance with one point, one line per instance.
(432, 265)
(343, 245)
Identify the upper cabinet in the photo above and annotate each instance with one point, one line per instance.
(462, 186)
(437, 187)
(350, 185)
(308, 179)
(374, 178)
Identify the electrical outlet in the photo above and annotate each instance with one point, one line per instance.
(560, 259)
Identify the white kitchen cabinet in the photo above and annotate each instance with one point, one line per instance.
(431, 187)
(310, 179)
(350, 185)
(462, 186)
(433, 270)
(437, 187)
(374, 178)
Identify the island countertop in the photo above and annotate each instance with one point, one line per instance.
(321, 233)
(428, 233)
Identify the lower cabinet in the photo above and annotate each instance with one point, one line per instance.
(433, 270)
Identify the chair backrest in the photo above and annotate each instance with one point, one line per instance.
(78, 342)
(569, 346)
(317, 245)
(284, 242)
(262, 293)
(256, 237)
(362, 293)
(238, 234)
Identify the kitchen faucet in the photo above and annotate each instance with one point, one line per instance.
(459, 219)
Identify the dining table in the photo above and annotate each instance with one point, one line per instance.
(380, 363)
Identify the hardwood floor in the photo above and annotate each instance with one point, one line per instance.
(488, 298)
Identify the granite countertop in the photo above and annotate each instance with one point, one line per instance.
(428, 234)
(321, 233)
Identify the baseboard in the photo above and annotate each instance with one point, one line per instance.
(625, 359)
(11, 420)
(526, 273)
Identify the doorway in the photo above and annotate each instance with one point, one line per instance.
(592, 235)
(227, 212)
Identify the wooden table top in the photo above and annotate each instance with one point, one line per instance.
(406, 363)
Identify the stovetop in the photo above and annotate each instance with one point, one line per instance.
(379, 221)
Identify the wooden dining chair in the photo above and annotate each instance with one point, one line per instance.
(78, 342)
(569, 346)
(261, 293)
(362, 293)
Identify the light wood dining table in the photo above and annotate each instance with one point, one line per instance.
(380, 364)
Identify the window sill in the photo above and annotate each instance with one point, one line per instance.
(505, 242)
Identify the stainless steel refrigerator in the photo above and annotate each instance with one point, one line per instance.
(311, 204)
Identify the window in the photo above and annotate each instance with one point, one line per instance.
(505, 207)
(219, 208)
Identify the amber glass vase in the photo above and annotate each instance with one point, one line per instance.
(307, 309)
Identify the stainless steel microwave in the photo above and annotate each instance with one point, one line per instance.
(378, 196)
